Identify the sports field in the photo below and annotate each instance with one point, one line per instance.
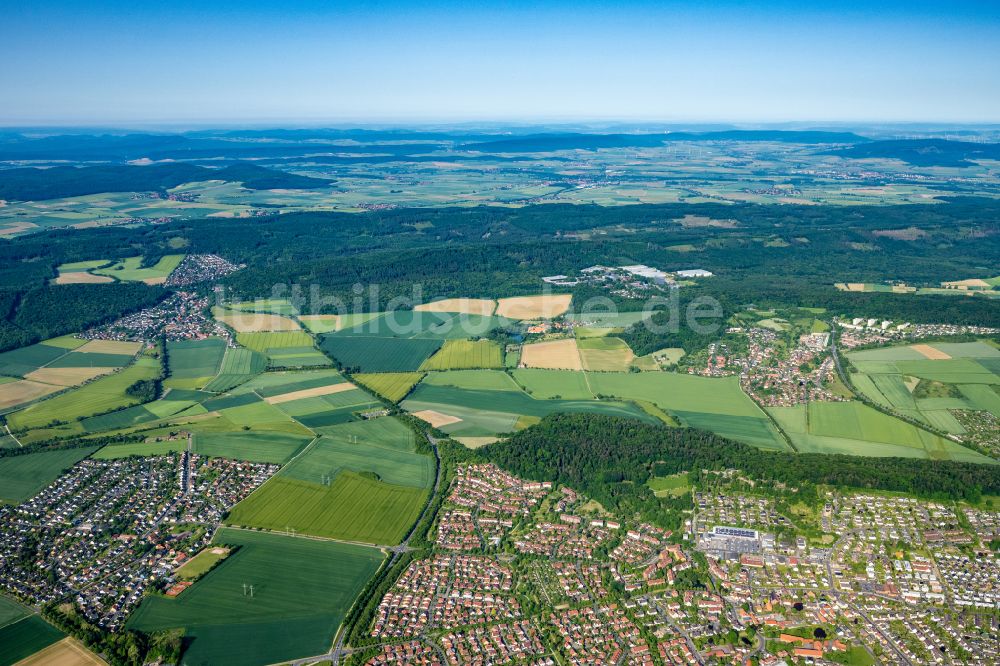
(132, 270)
(547, 306)
(553, 354)
(302, 588)
(25, 637)
(392, 386)
(605, 354)
(379, 354)
(351, 508)
(203, 562)
(23, 476)
(465, 354)
(101, 395)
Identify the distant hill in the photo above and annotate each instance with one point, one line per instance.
(579, 141)
(923, 152)
(37, 184)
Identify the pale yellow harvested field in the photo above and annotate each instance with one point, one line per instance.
(473, 306)
(254, 322)
(930, 352)
(436, 419)
(534, 307)
(855, 286)
(111, 347)
(310, 393)
(475, 442)
(155, 280)
(82, 278)
(555, 355)
(66, 376)
(965, 284)
(902, 289)
(67, 652)
(22, 391)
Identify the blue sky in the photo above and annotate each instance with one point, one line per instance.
(253, 61)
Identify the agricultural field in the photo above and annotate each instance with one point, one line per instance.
(925, 382)
(133, 270)
(465, 354)
(23, 476)
(473, 379)
(709, 403)
(286, 349)
(853, 428)
(99, 396)
(553, 354)
(351, 508)
(605, 354)
(239, 365)
(67, 652)
(194, 363)
(20, 362)
(250, 321)
(474, 306)
(280, 306)
(546, 306)
(330, 323)
(380, 354)
(392, 386)
(25, 637)
(315, 493)
(547, 384)
(302, 591)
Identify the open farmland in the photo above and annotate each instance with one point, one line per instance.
(392, 386)
(351, 508)
(133, 270)
(329, 323)
(378, 354)
(476, 306)
(473, 379)
(286, 349)
(243, 321)
(302, 591)
(19, 362)
(194, 363)
(545, 384)
(547, 306)
(605, 354)
(24, 475)
(238, 366)
(25, 637)
(271, 447)
(101, 395)
(465, 354)
(19, 392)
(554, 354)
(67, 652)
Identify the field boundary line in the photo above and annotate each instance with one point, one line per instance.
(298, 535)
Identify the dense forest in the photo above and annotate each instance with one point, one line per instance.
(610, 459)
(37, 184)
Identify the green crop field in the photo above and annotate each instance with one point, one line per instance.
(605, 354)
(25, 637)
(545, 384)
(465, 354)
(330, 454)
(129, 270)
(302, 591)
(709, 403)
(112, 451)
(10, 610)
(329, 410)
(23, 476)
(194, 363)
(100, 395)
(277, 383)
(284, 349)
(272, 447)
(379, 354)
(392, 386)
(487, 380)
(279, 306)
(352, 508)
(20, 362)
(238, 365)
(386, 432)
(406, 324)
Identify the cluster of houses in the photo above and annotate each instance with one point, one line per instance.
(195, 268)
(861, 331)
(181, 316)
(108, 531)
(634, 281)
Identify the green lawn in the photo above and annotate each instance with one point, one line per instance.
(302, 591)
